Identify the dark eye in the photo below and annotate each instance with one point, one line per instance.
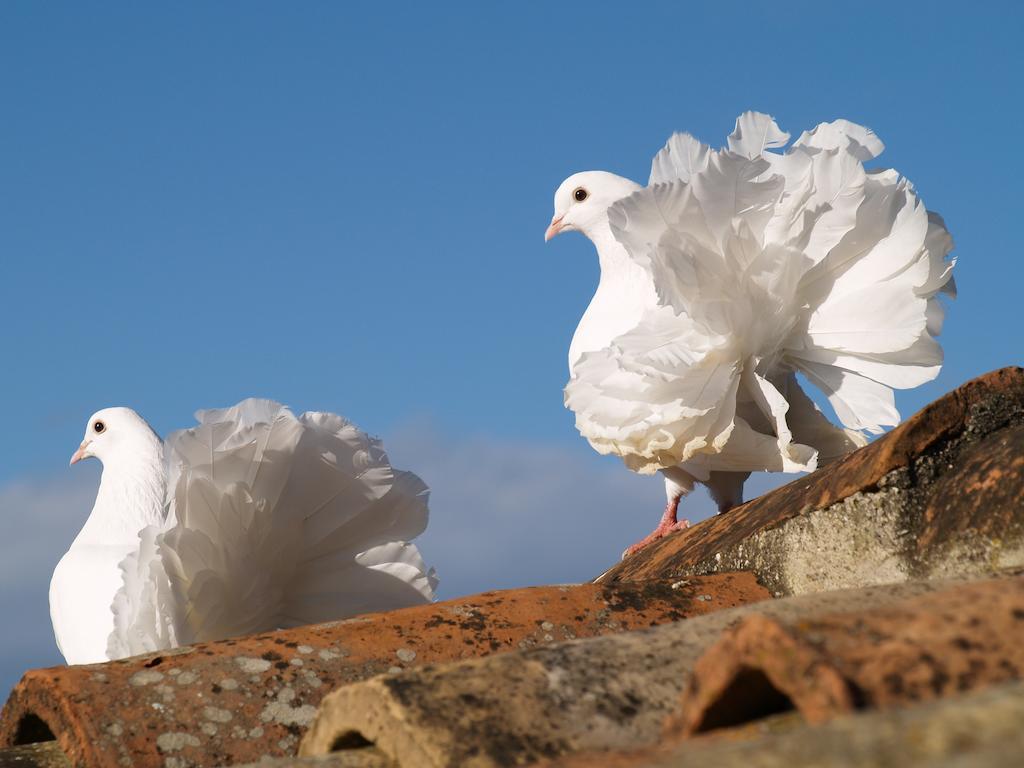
(99, 427)
(580, 194)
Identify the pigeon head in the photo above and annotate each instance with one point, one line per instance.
(582, 201)
(116, 432)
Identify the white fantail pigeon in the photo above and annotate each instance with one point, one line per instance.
(251, 521)
(730, 273)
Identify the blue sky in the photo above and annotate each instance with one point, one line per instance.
(341, 206)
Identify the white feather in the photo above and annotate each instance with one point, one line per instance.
(754, 133)
(681, 158)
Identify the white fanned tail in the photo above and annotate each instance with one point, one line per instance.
(272, 521)
(767, 263)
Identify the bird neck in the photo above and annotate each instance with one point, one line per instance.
(611, 254)
(624, 291)
(130, 497)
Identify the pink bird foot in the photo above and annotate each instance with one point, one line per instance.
(667, 525)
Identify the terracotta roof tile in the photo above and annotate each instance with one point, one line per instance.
(599, 694)
(239, 700)
(978, 730)
(928, 647)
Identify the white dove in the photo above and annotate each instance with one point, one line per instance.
(729, 274)
(251, 521)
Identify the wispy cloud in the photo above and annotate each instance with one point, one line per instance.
(40, 518)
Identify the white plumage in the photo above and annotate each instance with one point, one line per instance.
(251, 521)
(730, 273)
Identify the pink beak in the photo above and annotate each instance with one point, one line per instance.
(78, 455)
(554, 228)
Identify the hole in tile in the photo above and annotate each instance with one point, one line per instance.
(350, 740)
(749, 697)
(32, 729)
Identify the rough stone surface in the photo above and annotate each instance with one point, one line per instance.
(243, 699)
(978, 730)
(368, 757)
(44, 755)
(942, 494)
(929, 647)
(598, 694)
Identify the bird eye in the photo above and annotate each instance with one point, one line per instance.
(580, 194)
(99, 427)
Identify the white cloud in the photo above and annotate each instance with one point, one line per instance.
(40, 518)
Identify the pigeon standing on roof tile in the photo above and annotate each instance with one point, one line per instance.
(730, 273)
(253, 520)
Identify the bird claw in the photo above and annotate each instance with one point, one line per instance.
(660, 532)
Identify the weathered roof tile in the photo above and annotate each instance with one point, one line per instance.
(981, 729)
(929, 647)
(241, 699)
(604, 693)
